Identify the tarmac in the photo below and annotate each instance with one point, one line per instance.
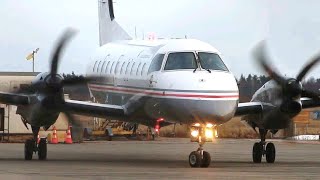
(165, 158)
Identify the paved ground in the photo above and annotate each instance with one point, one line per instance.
(162, 159)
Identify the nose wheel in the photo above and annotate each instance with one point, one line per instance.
(263, 149)
(199, 158)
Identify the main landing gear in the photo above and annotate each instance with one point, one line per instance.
(263, 149)
(32, 146)
(201, 134)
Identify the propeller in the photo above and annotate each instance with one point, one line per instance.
(46, 91)
(292, 87)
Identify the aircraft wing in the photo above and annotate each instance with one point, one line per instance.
(14, 99)
(93, 109)
(309, 103)
(249, 108)
(257, 107)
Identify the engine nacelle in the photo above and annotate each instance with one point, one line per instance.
(291, 106)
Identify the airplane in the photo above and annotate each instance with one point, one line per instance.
(158, 82)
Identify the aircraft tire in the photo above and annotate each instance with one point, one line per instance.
(195, 159)
(206, 159)
(42, 149)
(257, 152)
(28, 149)
(270, 153)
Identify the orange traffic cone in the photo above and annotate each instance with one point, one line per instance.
(54, 139)
(38, 138)
(68, 139)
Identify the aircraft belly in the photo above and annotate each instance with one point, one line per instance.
(175, 110)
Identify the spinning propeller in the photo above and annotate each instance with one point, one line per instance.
(291, 87)
(47, 97)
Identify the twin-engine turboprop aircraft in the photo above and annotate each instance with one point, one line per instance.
(175, 81)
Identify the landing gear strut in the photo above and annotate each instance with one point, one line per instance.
(32, 146)
(263, 149)
(200, 158)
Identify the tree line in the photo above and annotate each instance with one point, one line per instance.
(250, 84)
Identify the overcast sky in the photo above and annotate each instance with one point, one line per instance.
(292, 29)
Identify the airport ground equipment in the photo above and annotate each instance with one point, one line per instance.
(110, 128)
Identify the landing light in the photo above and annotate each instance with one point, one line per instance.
(209, 133)
(194, 133)
(209, 125)
(197, 125)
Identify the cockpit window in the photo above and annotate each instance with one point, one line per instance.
(181, 60)
(156, 63)
(211, 61)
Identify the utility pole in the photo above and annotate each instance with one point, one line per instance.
(33, 52)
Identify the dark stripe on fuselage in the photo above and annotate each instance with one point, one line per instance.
(158, 89)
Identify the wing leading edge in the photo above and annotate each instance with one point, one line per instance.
(14, 99)
(249, 108)
(93, 109)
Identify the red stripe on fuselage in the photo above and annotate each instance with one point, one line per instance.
(162, 94)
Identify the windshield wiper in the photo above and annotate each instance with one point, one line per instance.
(199, 59)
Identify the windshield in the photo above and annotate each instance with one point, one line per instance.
(181, 60)
(211, 61)
(156, 63)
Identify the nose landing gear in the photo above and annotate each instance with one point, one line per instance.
(31, 146)
(201, 134)
(199, 158)
(263, 149)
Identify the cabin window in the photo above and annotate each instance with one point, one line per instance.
(102, 67)
(107, 66)
(143, 69)
(98, 67)
(132, 68)
(122, 68)
(111, 67)
(181, 60)
(116, 69)
(127, 68)
(156, 63)
(94, 66)
(211, 61)
(138, 69)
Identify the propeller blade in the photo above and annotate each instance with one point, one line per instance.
(76, 127)
(310, 94)
(308, 67)
(60, 45)
(260, 54)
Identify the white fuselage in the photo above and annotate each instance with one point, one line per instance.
(177, 95)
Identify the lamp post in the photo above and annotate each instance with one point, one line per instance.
(31, 57)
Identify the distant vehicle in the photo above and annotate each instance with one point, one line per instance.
(174, 80)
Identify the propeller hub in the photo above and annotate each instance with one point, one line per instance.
(293, 87)
(54, 81)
